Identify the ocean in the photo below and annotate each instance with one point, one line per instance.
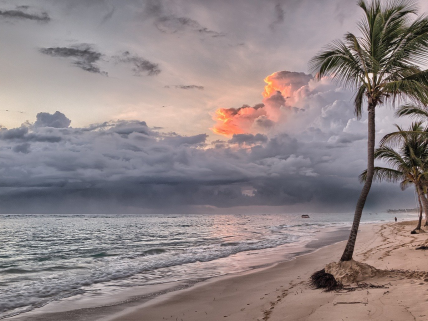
(50, 258)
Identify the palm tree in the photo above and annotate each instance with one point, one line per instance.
(417, 135)
(409, 164)
(382, 64)
(419, 112)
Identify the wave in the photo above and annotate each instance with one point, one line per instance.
(153, 252)
(144, 249)
(63, 285)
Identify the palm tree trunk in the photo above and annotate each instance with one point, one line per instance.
(420, 209)
(426, 213)
(349, 249)
(424, 204)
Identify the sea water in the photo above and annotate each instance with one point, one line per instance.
(46, 258)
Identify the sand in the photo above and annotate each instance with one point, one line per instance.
(282, 292)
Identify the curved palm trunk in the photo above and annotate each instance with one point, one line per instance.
(424, 203)
(349, 249)
(426, 213)
(420, 209)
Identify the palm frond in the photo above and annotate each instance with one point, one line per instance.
(416, 133)
(338, 61)
(383, 174)
(405, 184)
(391, 157)
(411, 110)
(358, 102)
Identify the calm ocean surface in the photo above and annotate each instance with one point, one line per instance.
(45, 258)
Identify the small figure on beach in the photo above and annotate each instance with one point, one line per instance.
(396, 218)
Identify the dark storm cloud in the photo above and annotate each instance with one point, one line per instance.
(112, 166)
(23, 134)
(264, 122)
(345, 138)
(21, 14)
(56, 120)
(140, 65)
(187, 140)
(83, 56)
(22, 148)
(248, 139)
(125, 128)
(14, 133)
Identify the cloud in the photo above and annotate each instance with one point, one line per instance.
(248, 139)
(56, 120)
(307, 158)
(140, 65)
(170, 23)
(173, 24)
(279, 16)
(264, 122)
(108, 15)
(230, 121)
(287, 83)
(21, 14)
(22, 148)
(82, 55)
(124, 128)
(178, 140)
(14, 133)
(127, 166)
(23, 134)
(189, 87)
(283, 91)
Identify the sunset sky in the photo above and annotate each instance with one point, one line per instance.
(199, 106)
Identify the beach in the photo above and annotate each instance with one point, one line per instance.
(108, 263)
(281, 292)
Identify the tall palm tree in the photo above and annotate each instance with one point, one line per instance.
(382, 64)
(409, 163)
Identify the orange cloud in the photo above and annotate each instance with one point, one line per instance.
(236, 120)
(280, 88)
(285, 82)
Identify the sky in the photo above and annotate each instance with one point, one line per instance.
(184, 106)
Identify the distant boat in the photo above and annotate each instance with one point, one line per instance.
(305, 216)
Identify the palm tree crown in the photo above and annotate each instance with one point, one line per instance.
(384, 61)
(409, 163)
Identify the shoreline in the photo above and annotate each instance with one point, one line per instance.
(138, 296)
(282, 293)
(265, 290)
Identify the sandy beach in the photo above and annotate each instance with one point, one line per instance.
(282, 292)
